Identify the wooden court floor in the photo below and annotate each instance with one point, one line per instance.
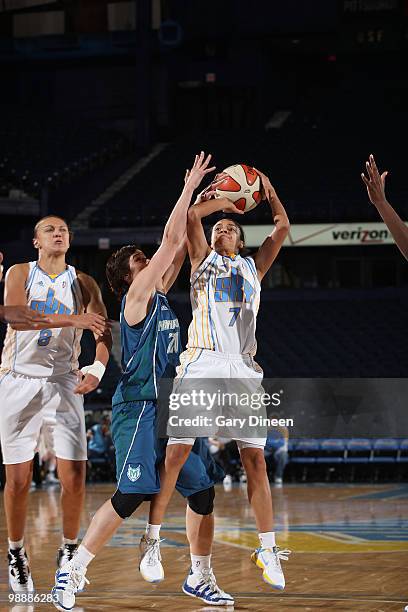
(349, 552)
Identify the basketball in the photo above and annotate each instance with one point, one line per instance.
(242, 186)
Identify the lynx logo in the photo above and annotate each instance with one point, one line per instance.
(134, 473)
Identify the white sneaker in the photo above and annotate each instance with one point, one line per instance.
(203, 585)
(64, 554)
(68, 579)
(278, 483)
(268, 559)
(243, 478)
(20, 579)
(150, 560)
(227, 479)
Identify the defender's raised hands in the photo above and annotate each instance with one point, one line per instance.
(200, 168)
(375, 182)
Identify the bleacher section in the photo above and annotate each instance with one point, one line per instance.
(41, 152)
(348, 459)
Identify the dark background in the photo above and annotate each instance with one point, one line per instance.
(104, 104)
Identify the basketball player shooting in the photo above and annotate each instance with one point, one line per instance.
(41, 389)
(221, 344)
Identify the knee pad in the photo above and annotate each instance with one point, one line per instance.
(125, 504)
(202, 502)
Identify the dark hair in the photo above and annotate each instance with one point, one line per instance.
(117, 268)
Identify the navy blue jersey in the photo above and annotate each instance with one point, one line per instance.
(147, 349)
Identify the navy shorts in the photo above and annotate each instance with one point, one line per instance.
(133, 434)
(139, 453)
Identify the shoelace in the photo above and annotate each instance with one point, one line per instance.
(208, 579)
(153, 551)
(280, 554)
(68, 551)
(70, 581)
(19, 564)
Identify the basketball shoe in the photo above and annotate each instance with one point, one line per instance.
(68, 579)
(268, 559)
(150, 560)
(203, 585)
(65, 554)
(20, 579)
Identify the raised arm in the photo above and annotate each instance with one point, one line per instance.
(269, 249)
(15, 295)
(174, 234)
(375, 184)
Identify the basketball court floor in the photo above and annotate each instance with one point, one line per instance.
(349, 552)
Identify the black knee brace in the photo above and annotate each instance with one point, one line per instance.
(202, 502)
(125, 504)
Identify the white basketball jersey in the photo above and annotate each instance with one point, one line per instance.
(225, 293)
(46, 352)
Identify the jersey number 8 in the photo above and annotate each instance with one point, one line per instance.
(45, 337)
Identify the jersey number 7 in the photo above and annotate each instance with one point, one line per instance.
(236, 310)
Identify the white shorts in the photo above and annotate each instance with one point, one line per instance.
(47, 407)
(206, 364)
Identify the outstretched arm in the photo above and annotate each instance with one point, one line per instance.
(269, 249)
(15, 295)
(375, 184)
(173, 236)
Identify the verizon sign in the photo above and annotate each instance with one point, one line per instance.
(323, 234)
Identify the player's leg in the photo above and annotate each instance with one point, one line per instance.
(72, 475)
(171, 461)
(133, 435)
(176, 455)
(20, 425)
(64, 434)
(268, 555)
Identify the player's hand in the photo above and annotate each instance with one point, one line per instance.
(268, 191)
(227, 206)
(200, 168)
(375, 182)
(95, 322)
(86, 383)
(23, 315)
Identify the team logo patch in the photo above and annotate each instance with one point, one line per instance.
(133, 473)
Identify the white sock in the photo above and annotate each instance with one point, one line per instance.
(153, 531)
(83, 556)
(68, 541)
(16, 544)
(198, 563)
(267, 539)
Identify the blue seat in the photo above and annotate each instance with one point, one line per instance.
(359, 450)
(403, 451)
(332, 450)
(385, 450)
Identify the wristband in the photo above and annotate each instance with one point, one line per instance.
(97, 369)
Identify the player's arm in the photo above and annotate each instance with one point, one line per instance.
(375, 184)
(174, 269)
(269, 249)
(94, 305)
(19, 314)
(142, 287)
(197, 244)
(15, 295)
